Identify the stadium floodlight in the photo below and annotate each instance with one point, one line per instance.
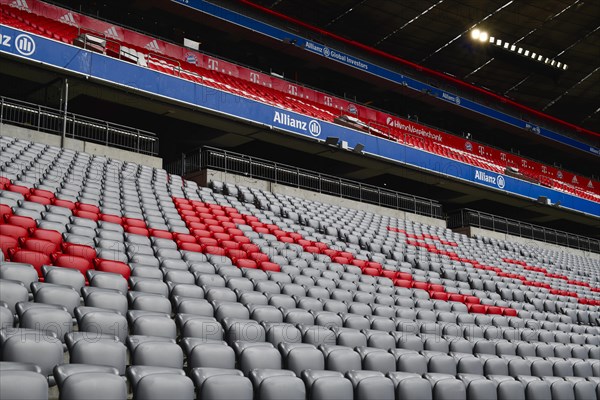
(547, 60)
(564, 67)
(558, 64)
(483, 37)
(526, 54)
(498, 42)
(553, 63)
(513, 47)
(492, 39)
(359, 148)
(540, 57)
(520, 51)
(506, 45)
(332, 141)
(475, 33)
(533, 55)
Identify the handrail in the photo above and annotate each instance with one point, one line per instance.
(254, 167)
(50, 120)
(472, 218)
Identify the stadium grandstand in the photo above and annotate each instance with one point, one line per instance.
(284, 199)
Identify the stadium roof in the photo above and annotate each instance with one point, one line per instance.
(435, 34)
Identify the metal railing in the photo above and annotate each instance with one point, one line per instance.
(51, 120)
(472, 218)
(253, 167)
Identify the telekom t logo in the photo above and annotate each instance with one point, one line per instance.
(213, 64)
(254, 77)
(293, 90)
(328, 101)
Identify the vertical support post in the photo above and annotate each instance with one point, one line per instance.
(66, 109)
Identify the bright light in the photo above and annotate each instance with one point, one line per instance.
(547, 60)
(483, 37)
(565, 67)
(513, 47)
(533, 55)
(492, 39)
(558, 64)
(475, 33)
(540, 57)
(520, 50)
(498, 42)
(506, 44)
(526, 54)
(553, 63)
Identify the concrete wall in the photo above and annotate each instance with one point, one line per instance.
(471, 231)
(79, 145)
(206, 176)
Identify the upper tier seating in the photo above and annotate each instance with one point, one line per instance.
(55, 29)
(122, 278)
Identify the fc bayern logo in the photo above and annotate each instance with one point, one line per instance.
(468, 146)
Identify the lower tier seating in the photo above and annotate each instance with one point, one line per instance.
(121, 280)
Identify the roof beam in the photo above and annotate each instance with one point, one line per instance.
(408, 23)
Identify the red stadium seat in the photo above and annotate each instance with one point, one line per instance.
(235, 254)
(472, 300)
(184, 238)
(64, 203)
(17, 220)
(74, 262)
(258, 257)
(4, 210)
(477, 308)
(114, 267)
(114, 219)
(30, 257)
(245, 263)
(218, 251)
(133, 222)
(403, 283)
(7, 243)
(53, 236)
(88, 207)
(79, 250)
(229, 244)
(13, 231)
(208, 241)
(39, 199)
(250, 248)
(86, 214)
(40, 245)
(18, 189)
(371, 271)
(42, 193)
(187, 246)
(420, 285)
(161, 234)
(137, 230)
(269, 266)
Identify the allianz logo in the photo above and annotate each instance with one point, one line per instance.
(313, 126)
(449, 97)
(497, 180)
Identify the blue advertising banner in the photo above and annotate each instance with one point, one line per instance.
(332, 54)
(116, 72)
